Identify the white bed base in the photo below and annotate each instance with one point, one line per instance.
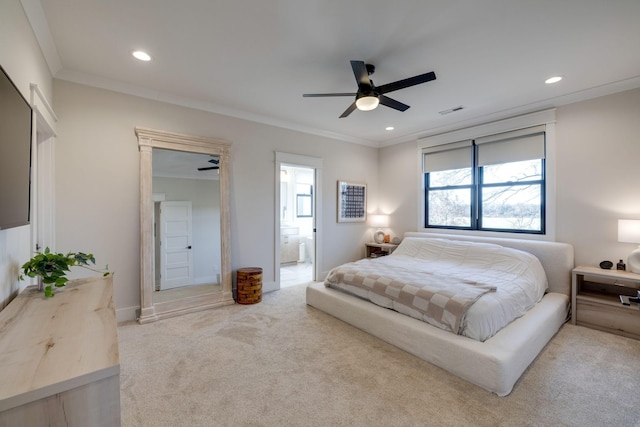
(495, 364)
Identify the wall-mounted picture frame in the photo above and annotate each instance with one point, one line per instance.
(352, 202)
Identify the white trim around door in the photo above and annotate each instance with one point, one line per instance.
(314, 163)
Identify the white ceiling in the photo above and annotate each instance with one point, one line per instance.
(255, 59)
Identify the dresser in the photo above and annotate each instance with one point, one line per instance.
(59, 360)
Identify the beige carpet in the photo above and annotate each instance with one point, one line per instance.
(282, 363)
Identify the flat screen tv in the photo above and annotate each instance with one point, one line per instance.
(15, 155)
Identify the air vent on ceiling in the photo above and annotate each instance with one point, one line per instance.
(451, 110)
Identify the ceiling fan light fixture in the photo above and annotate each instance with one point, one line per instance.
(367, 103)
(369, 96)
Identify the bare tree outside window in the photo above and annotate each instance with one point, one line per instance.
(450, 198)
(510, 197)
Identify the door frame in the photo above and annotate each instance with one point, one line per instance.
(43, 137)
(315, 163)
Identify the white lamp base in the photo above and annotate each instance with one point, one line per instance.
(634, 261)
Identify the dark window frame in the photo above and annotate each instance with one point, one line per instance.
(301, 211)
(476, 188)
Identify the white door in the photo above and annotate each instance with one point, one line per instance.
(176, 261)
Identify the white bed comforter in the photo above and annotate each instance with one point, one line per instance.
(518, 277)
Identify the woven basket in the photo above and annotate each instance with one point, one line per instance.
(249, 283)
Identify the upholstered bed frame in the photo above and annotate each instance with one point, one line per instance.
(495, 364)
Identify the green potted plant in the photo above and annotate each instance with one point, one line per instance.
(51, 268)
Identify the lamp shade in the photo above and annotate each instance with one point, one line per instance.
(629, 230)
(379, 221)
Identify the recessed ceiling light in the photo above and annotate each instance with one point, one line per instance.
(554, 79)
(389, 128)
(141, 55)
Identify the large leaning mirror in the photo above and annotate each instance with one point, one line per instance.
(185, 261)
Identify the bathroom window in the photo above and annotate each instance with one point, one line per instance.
(304, 200)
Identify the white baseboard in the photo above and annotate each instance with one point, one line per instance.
(269, 287)
(127, 314)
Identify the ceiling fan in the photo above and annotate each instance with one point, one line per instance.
(368, 95)
(215, 162)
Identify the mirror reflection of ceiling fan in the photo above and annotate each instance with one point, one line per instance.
(215, 161)
(368, 95)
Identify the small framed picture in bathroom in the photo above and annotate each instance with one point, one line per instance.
(352, 202)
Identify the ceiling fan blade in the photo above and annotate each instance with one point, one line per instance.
(348, 110)
(317, 95)
(361, 73)
(411, 81)
(209, 168)
(389, 102)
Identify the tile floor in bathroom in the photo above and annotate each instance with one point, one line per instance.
(295, 274)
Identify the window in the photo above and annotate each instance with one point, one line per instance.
(494, 183)
(304, 200)
(449, 181)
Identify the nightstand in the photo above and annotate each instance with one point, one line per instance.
(374, 250)
(595, 300)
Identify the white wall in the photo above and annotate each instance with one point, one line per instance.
(97, 183)
(21, 58)
(20, 53)
(597, 173)
(399, 170)
(598, 149)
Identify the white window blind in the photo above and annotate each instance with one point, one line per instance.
(516, 146)
(446, 157)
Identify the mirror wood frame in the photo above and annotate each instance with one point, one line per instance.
(147, 140)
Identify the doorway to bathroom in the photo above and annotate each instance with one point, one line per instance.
(297, 218)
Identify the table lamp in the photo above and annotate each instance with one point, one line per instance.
(629, 232)
(379, 222)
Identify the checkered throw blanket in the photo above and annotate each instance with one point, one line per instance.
(439, 300)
